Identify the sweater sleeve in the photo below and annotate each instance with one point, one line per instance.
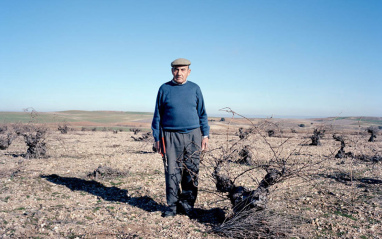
(203, 118)
(155, 125)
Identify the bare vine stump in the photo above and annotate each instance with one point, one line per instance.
(135, 130)
(243, 198)
(6, 140)
(3, 129)
(245, 156)
(144, 137)
(34, 137)
(372, 130)
(244, 133)
(317, 135)
(35, 142)
(341, 153)
(103, 172)
(373, 159)
(63, 129)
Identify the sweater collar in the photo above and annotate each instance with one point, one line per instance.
(178, 83)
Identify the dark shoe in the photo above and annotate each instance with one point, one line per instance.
(170, 212)
(184, 208)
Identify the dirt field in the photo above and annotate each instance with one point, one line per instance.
(60, 197)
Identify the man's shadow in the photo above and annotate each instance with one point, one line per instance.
(112, 194)
(212, 216)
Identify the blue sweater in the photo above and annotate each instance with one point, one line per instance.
(180, 108)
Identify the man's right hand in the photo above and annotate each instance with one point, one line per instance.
(158, 148)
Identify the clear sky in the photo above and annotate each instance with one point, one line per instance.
(282, 58)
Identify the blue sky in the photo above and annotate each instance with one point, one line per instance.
(282, 58)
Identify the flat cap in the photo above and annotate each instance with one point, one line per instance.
(180, 62)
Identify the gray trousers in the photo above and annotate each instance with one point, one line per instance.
(181, 164)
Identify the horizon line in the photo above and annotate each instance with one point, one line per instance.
(212, 115)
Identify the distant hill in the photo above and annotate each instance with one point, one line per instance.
(353, 120)
(123, 119)
(106, 117)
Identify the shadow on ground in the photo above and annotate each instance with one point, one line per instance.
(345, 178)
(113, 194)
(212, 216)
(16, 155)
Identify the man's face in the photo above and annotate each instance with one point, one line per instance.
(180, 73)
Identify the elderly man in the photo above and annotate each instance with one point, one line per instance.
(180, 129)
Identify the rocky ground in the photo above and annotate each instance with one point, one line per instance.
(107, 185)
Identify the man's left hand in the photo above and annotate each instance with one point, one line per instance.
(205, 144)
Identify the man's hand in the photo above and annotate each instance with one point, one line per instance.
(205, 144)
(158, 148)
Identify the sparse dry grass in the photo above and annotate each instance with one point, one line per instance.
(54, 198)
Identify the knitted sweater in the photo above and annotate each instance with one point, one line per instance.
(180, 108)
